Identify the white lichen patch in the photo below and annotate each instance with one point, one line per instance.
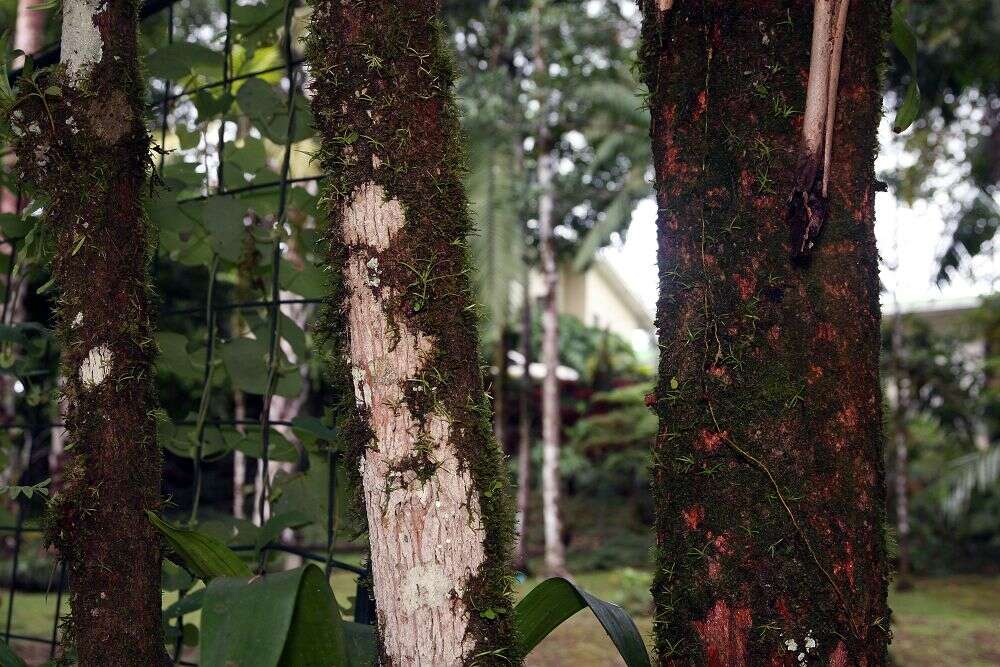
(78, 320)
(810, 645)
(373, 273)
(82, 46)
(96, 367)
(426, 586)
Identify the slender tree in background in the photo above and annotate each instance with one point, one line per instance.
(768, 469)
(524, 435)
(901, 442)
(402, 326)
(555, 557)
(82, 146)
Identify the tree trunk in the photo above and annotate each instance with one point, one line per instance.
(768, 470)
(555, 557)
(500, 388)
(239, 459)
(403, 329)
(87, 149)
(901, 437)
(524, 430)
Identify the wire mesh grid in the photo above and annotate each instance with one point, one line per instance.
(171, 101)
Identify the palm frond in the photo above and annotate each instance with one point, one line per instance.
(978, 471)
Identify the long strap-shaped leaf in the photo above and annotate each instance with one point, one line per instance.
(554, 600)
(204, 556)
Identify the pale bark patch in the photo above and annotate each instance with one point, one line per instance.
(96, 367)
(82, 46)
(426, 537)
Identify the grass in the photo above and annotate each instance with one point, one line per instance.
(942, 621)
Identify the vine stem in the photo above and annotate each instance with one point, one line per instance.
(791, 515)
(274, 309)
(206, 389)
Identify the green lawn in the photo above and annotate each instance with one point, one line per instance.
(951, 621)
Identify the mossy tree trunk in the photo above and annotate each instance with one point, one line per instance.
(402, 326)
(768, 469)
(86, 150)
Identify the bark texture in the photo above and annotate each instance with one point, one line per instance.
(402, 331)
(87, 151)
(768, 469)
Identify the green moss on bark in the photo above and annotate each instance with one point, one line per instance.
(84, 150)
(385, 109)
(768, 467)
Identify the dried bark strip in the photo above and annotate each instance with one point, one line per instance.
(768, 470)
(86, 150)
(401, 326)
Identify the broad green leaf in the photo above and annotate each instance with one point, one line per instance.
(7, 656)
(187, 139)
(228, 529)
(250, 156)
(181, 175)
(174, 358)
(178, 60)
(258, 99)
(309, 282)
(207, 558)
(257, 24)
(362, 651)
(246, 362)
(314, 426)
(223, 218)
(210, 106)
(278, 447)
(15, 226)
(272, 530)
(289, 331)
(307, 204)
(166, 214)
(287, 619)
(308, 492)
(554, 600)
(260, 59)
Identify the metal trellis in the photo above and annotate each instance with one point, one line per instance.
(167, 97)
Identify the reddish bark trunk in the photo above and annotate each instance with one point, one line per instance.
(87, 150)
(768, 469)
